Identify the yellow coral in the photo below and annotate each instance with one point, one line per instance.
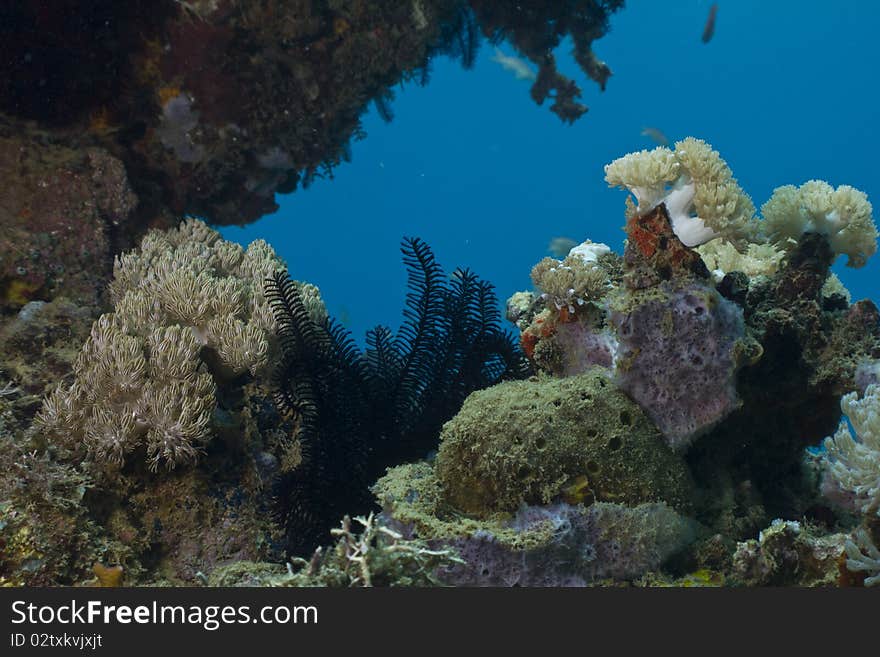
(703, 199)
(190, 309)
(645, 174)
(718, 199)
(570, 282)
(834, 286)
(758, 260)
(842, 215)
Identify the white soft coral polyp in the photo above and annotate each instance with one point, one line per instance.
(691, 230)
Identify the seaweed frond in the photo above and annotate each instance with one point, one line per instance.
(359, 413)
(321, 381)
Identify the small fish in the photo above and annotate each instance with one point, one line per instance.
(560, 246)
(709, 29)
(656, 136)
(517, 66)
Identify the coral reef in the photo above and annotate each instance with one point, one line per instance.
(722, 258)
(189, 311)
(563, 330)
(167, 376)
(842, 215)
(662, 443)
(178, 524)
(850, 480)
(576, 280)
(376, 555)
(867, 372)
(62, 210)
(719, 335)
(675, 344)
(703, 199)
(61, 517)
(863, 557)
(46, 537)
(585, 546)
(790, 396)
(40, 343)
(555, 545)
(533, 442)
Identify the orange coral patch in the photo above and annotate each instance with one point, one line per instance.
(643, 237)
(547, 329)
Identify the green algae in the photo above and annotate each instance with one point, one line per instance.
(529, 442)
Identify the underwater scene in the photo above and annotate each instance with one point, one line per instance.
(343, 293)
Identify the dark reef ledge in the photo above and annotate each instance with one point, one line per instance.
(132, 115)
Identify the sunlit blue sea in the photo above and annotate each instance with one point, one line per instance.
(785, 90)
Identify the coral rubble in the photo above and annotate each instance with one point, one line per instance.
(788, 553)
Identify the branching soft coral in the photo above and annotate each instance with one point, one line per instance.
(852, 459)
(842, 215)
(757, 260)
(575, 280)
(863, 557)
(190, 312)
(703, 199)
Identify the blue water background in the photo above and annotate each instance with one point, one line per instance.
(786, 91)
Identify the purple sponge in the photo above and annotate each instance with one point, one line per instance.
(679, 350)
(566, 545)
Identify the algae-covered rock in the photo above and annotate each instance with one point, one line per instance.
(46, 536)
(788, 553)
(534, 441)
(246, 573)
(559, 544)
(585, 546)
(366, 552)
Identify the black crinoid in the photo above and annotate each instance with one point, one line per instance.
(362, 411)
